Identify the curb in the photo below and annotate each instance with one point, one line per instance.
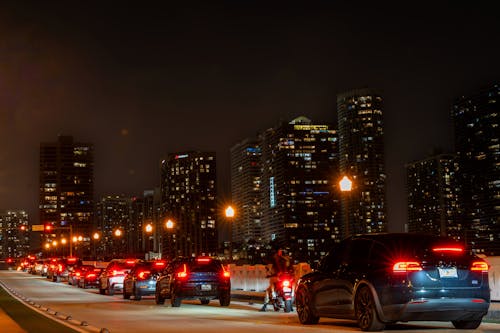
(66, 319)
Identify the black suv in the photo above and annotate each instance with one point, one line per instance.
(200, 278)
(377, 279)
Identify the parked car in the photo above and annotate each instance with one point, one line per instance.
(111, 278)
(90, 279)
(141, 280)
(77, 273)
(377, 279)
(200, 278)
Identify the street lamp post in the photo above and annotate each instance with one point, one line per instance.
(96, 237)
(230, 215)
(118, 234)
(346, 186)
(149, 230)
(170, 226)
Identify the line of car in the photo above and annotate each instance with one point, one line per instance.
(373, 279)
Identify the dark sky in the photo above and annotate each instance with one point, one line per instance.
(144, 80)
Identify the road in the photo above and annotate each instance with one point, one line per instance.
(115, 314)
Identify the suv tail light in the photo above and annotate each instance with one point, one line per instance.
(182, 274)
(479, 266)
(452, 249)
(143, 275)
(406, 266)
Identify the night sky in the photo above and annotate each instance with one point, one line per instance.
(142, 81)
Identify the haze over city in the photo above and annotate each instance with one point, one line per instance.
(142, 81)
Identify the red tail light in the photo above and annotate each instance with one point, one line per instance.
(205, 260)
(91, 275)
(159, 264)
(143, 275)
(59, 268)
(455, 249)
(479, 266)
(113, 273)
(130, 261)
(78, 274)
(286, 284)
(182, 274)
(406, 266)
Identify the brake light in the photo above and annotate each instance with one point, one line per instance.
(143, 275)
(225, 274)
(60, 268)
(160, 264)
(479, 266)
(182, 274)
(113, 273)
(286, 283)
(204, 260)
(78, 274)
(91, 275)
(71, 260)
(455, 249)
(406, 266)
(130, 261)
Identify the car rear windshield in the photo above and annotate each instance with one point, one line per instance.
(205, 266)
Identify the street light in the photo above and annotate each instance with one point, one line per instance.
(346, 186)
(96, 237)
(230, 215)
(118, 233)
(149, 230)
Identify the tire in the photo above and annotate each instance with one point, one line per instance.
(466, 324)
(126, 295)
(137, 294)
(111, 290)
(159, 299)
(305, 312)
(366, 313)
(174, 300)
(225, 298)
(204, 301)
(288, 306)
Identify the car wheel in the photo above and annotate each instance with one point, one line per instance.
(466, 324)
(304, 310)
(137, 294)
(102, 291)
(159, 299)
(204, 301)
(126, 295)
(366, 313)
(225, 299)
(111, 290)
(175, 300)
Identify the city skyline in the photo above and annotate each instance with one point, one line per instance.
(205, 77)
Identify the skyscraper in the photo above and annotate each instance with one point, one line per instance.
(189, 199)
(476, 120)
(433, 204)
(361, 142)
(67, 185)
(300, 209)
(14, 231)
(246, 190)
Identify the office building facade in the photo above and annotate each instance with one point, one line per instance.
(476, 121)
(361, 145)
(189, 200)
(433, 204)
(14, 234)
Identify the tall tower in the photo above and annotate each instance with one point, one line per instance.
(476, 119)
(433, 204)
(246, 190)
(14, 234)
(300, 208)
(361, 141)
(188, 198)
(67, 185)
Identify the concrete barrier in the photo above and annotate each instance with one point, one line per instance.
(494, 276)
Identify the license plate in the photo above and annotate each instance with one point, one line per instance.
(206, 287)
(287, 290)
(448, 272)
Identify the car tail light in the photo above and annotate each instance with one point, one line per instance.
(203, 260)
(226, 274)
(78, 274)
(115, 272)
(143, 275)
(59, 268)
(91, 275)
(159, 264)
(286, 284)
(130, 261)
(479, 266)
(406, 266)
(71, 260)
(182, 274)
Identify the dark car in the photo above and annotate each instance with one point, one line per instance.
(90, 279)
(200, 278)
(141, 280)
(59, 268)
(378, 279)
(111, 278)
(77, 273)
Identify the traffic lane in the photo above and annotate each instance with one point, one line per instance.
(119, 315)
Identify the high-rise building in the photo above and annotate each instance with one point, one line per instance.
(361, 142)
(476, 120)
(189, 199)
(246, 191)
(67, 186)
(433, 204)
(300, 208)
(114, 220)
(14, 234)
